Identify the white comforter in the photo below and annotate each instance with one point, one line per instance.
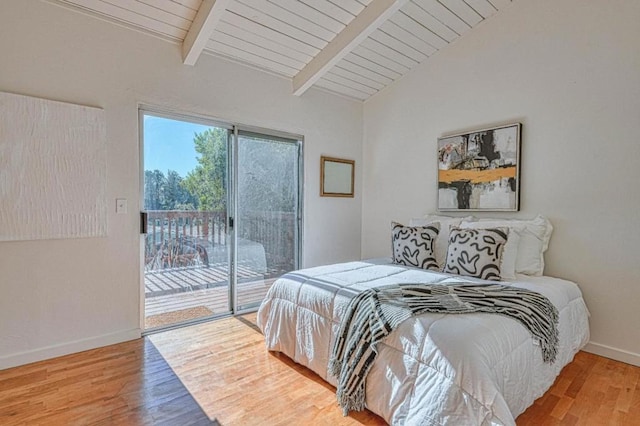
(465, 369)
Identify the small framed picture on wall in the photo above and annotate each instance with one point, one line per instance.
(337, 177)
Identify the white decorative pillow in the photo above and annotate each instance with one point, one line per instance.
(414, 245)
(442, 242)
(534, 241)
(476, 252)
(510, 252)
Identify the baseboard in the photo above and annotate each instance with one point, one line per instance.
(613, 353)
(53, 351)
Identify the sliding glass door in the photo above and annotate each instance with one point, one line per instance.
(267, 213)
(187, 242)
(222, 209)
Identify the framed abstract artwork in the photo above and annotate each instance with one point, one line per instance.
(480, 170)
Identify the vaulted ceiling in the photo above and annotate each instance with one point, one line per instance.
(351, 47)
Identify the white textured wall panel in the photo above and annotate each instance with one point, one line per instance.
(52, 169)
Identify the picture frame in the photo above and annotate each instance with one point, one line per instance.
(479, 170)
(337, 177)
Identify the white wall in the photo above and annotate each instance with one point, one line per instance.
(59, 296)
(570, 72)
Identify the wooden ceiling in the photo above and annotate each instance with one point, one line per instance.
(351, 47)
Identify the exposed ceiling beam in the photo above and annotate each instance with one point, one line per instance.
(201, 29)
(376, 13)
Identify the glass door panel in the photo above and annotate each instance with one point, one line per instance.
(267, 215)
(186, 248)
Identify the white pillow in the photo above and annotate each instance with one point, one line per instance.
(442, 242)
(510, 252)
(534, 241)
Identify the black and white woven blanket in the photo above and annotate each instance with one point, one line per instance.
(375, 313)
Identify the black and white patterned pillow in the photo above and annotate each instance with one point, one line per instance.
(476, 252)
(414, 245)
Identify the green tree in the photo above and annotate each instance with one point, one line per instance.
(266, 175)
(166, 192)
(154, 189)
(208, 181)
(176, 196)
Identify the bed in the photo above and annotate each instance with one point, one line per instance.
(434, 369)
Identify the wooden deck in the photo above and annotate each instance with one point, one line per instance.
(189, 290)
(216, 298)
(179, 280)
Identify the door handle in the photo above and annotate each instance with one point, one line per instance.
(143, 222)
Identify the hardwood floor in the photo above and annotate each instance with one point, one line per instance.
(591, 390)
(125, 384)
(221, 370)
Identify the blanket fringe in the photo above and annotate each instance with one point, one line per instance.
(335, 365)
(354, 401)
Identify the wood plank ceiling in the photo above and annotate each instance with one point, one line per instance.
(351, 47)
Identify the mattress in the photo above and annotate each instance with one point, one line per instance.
(434, 369)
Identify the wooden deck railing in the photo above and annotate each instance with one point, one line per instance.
(182, 238)
(208, 225)
(276, 231)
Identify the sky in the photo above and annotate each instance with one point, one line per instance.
(168, 144)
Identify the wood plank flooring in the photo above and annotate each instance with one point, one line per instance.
(220, 372)
(125, 384)
(591, 390)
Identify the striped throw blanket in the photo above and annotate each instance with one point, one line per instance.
(375, 313)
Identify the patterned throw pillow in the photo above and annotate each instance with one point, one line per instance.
(414, 245)
(476, 252)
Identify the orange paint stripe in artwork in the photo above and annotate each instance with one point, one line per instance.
(476, 176)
